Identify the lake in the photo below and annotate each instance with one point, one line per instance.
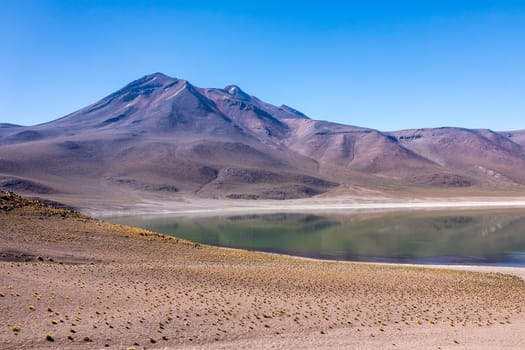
(481, 237)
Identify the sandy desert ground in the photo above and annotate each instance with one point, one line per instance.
(68, 281)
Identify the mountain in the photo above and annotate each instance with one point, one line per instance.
(484, 155)
(162, 137)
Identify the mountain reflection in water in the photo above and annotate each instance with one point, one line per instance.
(485, 237)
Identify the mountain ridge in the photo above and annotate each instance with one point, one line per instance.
(163, 136)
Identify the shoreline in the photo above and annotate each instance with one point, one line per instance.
(225, 207)
(503, 269)
(336, 207)
(506, 270)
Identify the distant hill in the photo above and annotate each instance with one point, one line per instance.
(162, 137)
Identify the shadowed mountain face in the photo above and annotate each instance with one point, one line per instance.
(161, 136)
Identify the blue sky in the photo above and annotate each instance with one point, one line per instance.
(382, 64)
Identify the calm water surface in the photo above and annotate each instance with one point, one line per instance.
(489, 237)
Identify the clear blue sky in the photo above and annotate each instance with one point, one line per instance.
(381, 64)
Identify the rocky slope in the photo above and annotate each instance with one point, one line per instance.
(163, 137)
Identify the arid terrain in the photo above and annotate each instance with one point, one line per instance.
(69, 281)
(163, 139)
